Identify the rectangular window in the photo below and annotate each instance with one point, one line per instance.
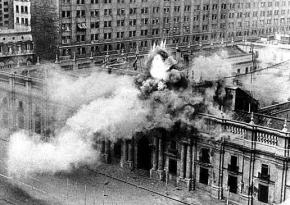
(263, 193)
(264, 170)
(205, 158)
(234, 161)
(203, 176)
(172, 167)
(233, 184)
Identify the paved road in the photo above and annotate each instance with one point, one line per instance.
(81, 187)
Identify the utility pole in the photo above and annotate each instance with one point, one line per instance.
(253, 67)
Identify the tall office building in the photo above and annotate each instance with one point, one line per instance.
(94, 27)
(6, 14)
(22, 14)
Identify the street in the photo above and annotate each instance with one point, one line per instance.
(89, 187)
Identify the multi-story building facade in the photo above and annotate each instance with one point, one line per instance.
(22, 14)
(16, 44)
(16, 48)
(95, 27)
(6, 14)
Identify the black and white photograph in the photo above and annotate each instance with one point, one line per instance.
(144, 102)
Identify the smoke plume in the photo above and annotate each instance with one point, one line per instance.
(169, 91)
(210, 68)
(271, 84)
(106, 104)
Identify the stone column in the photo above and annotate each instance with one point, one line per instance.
(107, 147)
(160, 155)
(182, 161)
(189, 162)
(107, 151)
(130, 147)
(103, 146)
(126, 150)
(29, 104)
(123, 157)
(11, 103)
(154, 154)
(124, 154)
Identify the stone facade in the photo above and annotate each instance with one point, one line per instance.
(16, 48)
(16, 44)
(25, 105)
(248, 165)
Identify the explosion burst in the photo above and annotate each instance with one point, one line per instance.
(114, 107)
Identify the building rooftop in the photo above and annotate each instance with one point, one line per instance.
(226, 51)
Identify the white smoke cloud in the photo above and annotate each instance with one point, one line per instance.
(107, 104)
(160, 65)
(118, 115)
(213, 67)
(159, 69)
(68, 89)
(29, 154)
(270, 55)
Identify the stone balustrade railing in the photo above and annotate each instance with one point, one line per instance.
(249, 135)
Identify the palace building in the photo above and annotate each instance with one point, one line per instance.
(243, 160)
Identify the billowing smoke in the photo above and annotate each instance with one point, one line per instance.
(160, 62)
(270, 84)
(107, 106)
(269, 55)
(169, 91)
(112, 109)
(30, 154)
(210, 68)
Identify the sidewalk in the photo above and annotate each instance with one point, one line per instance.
(140, 180)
